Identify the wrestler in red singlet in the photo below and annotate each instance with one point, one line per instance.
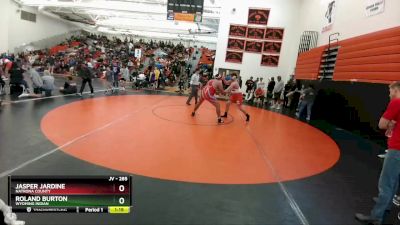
(236, 97)
(208, 92)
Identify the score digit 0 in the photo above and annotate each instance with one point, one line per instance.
(121, 200)
(121, 188)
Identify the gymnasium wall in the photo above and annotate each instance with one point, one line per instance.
(17, 32)
(355, 107)
(284, 13)
(350, 19)
(358, 94)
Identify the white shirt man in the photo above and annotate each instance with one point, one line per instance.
(195, 79)
(277, 92)
(195, 84)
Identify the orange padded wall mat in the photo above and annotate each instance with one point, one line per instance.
(308, 63)
(373, 57)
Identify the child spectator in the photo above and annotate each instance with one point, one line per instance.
(69, 86)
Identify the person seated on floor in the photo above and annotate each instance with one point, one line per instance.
(69, 86)
(17, 78)
(48, 83)
(36, 80)
(141, 80)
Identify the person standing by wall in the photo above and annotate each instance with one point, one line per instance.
(389, 178)
(270, 89)
(277, 92)
(116, 71)
(195, 84)
(85, 74)
(249, 85)
(307, 102)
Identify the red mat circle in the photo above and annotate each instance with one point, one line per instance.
(122, 133)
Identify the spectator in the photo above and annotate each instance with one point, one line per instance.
(255, 83)
(157, 76)
(17, 78)
(2, 82)
(288, 88)
(37, 82)
(259, 94)
(69, 86)
(48, 83)
(109, 80)
(249, 85)
(124, 77)
(51, 63)
(181, 84)
(307, 102)
(270, 88)
(277, 94)
(294, 95)
(116, 71)
(84, 73)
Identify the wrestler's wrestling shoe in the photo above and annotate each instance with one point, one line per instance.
(220, 121)
(247, 117)
(193, 114)
(225, 115)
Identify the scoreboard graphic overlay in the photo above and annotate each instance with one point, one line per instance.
(70, 194)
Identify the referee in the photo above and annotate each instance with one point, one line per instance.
(195, 84)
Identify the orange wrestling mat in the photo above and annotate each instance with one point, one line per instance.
(155, 136)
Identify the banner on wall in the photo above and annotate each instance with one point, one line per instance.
(272, 47)
(255, 32)
(329, 16)
(237, 30)
(234, 57)
(270, 60)
(236, 44)
(374, 7)
(258, 16)
(274, 34)
(253, 46)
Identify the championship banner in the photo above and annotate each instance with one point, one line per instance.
(255, 32)
(234, 57)
(374, 7)
(253, 46)
(272, 47)
(238, 30)
(236, 44)
(258, 16)
(274, 34)
(270, 60)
